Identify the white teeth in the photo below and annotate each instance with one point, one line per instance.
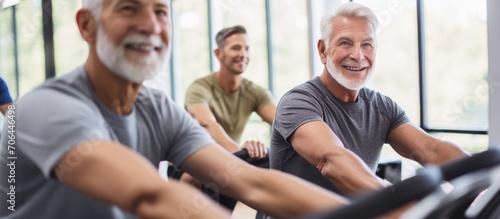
(353, 69)
(142, 47)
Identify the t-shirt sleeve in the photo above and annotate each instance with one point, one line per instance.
(50, 123)
(396, 114)
(295, 109)
(197, 94)
(264, 97)
(4, 93)
(185, 135)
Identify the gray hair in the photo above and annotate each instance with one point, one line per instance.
(350, 9)
(94, 6)
(223, 34)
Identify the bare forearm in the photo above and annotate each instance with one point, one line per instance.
(349, 174)
(220, 136)
(445, 151)
(114, 174)
(176, 200)
(4, 108)
(285, 196)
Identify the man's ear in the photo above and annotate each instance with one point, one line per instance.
(217, 52)
(322, 50)
(87, 25)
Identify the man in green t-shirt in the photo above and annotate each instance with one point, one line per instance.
(222, 102)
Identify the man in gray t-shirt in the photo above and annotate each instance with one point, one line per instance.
(330, 130)
(86, 145)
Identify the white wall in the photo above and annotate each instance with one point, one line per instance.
(493, 7)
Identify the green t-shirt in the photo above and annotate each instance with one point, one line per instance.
(231, 110)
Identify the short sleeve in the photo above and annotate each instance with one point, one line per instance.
(49, 123)
(264, 97)
(396, 114)
(295, 109)
(185, 133)
(197, 94)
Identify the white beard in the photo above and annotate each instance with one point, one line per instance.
(144, 68)
(342, 80)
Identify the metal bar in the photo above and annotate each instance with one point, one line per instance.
(270, 72)
(421, 64)
(310, 35)
(16, 48)
(457, 131)
(48, 39)
(173, 86)
(210, 13)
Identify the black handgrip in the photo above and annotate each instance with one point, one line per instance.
(462, 166)
(262, 162)
(382, 201)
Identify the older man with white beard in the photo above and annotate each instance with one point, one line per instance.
(330, 130)
(87, 144)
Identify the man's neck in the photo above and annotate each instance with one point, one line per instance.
(228, 81)
(116, 93)
(337, 90)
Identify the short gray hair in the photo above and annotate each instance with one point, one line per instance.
(94, 6)
(223, 34)
(349, 9)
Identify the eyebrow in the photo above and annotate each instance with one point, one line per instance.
(349, 39)
(343, 38)
(138, 2)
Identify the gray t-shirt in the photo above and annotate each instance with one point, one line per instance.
(362, 127)
(64, 112)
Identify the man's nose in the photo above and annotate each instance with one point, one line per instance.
(357, 53)
(148, 23)
(243, 53)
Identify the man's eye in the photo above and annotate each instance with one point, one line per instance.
(367, 45)
(161, 13)
(128, 8)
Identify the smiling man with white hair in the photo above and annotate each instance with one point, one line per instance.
(330, 130)
(87, 144)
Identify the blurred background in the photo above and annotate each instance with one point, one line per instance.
(432, 57)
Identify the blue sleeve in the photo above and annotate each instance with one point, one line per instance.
(4, 93)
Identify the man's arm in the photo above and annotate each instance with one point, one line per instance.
(267, 113)
(207, 119)
(272, 192)
(4, 108)
(317, 143)
(412, 142)
(112, 173)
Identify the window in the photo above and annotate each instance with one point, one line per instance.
(7, 51)
(290, 46)
(70, 49)
(191, 53)
(30, 45)
(457, 64)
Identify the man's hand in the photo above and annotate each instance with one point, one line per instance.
(255, 148)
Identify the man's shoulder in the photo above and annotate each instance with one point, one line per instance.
(312, 86)
(204, 81)
(247, 84)
(71, 86)
(372, 95)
